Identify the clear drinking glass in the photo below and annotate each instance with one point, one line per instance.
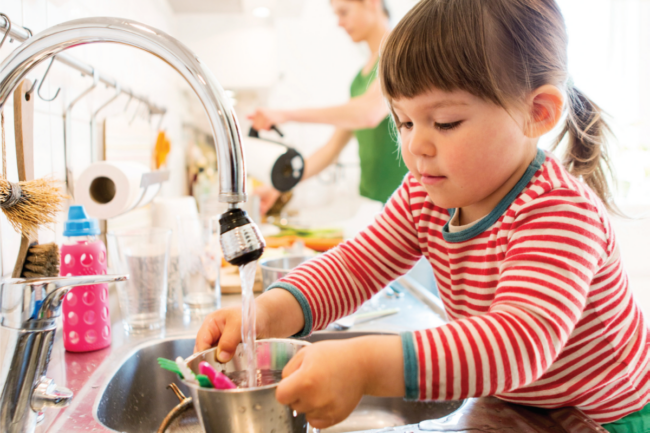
(200, 264)
(143, 254)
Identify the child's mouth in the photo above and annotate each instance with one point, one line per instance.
(431, 180)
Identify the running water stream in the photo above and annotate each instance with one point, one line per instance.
(247, 276)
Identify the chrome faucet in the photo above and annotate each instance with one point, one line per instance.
(240, 238)
(28, 313)
(25, 390)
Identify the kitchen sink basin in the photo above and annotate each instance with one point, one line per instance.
(135, 399)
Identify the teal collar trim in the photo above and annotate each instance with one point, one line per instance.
(496, 213)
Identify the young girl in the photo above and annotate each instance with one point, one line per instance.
(524, 254)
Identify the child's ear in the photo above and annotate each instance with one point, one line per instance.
(544, 110)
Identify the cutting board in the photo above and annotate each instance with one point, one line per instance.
(231, 283)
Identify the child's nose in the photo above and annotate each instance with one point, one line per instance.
(421, 143)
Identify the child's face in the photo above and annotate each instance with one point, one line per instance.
(461, 148)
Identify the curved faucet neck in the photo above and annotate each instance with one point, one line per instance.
(230, 158)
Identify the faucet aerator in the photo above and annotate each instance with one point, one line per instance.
(241, 240)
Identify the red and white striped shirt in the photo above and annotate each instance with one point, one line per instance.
(538, 300)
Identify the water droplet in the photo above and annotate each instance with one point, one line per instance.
(257, 406)
(242, 409)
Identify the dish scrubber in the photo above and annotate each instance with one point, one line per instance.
(218, 379)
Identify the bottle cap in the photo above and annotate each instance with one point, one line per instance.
(79, 224)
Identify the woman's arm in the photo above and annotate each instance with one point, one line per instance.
(316, 163)
(361, 112)
(327, 154)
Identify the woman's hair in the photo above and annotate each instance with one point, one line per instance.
(499, 50)
(383, 6)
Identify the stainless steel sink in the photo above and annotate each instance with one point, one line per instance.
(135, 398)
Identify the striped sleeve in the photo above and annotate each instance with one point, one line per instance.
(556, 243)
(336, 283)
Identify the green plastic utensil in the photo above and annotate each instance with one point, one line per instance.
(170, 365)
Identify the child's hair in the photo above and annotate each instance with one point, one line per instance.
(499, 50)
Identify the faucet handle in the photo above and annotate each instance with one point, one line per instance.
(34, 304)
(48, 394)
(61, 282)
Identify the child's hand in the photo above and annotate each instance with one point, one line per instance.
(222, 326)
(277, 314)
(326, 380)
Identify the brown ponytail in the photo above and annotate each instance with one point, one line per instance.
(499, 50)
(586, 155)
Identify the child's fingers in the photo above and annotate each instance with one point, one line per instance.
(293, 364)
(230, 338)
(321, 419)
(209, 332)
(292, 384)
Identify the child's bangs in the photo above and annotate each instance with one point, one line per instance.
(438, 44)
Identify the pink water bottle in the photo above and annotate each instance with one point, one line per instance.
(86, 320)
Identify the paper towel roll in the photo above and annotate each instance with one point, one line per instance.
(108, 189)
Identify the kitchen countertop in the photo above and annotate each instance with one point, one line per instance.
(86, 374)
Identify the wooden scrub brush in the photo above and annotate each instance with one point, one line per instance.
(29, 203)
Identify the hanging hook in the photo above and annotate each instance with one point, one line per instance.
(162, 116)
(135, 113)
(43, 80)
(118, 92)
(8, 25)
(67, 130)
(129, 101)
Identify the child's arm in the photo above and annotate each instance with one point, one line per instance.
(335, 284)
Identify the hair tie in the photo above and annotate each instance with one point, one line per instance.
(570, 85)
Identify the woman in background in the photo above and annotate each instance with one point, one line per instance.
(364, 116)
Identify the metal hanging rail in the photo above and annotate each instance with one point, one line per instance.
(21, 34)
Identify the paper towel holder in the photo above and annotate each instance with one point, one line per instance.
(102, 189)
(148, 180)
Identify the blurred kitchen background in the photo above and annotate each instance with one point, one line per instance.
(287, 54)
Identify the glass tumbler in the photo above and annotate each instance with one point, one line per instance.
(200, 264)
(143, 254)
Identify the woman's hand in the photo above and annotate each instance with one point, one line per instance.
(268, 196)
(264, 118)
(326, 380)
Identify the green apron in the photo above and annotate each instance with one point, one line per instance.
(636, 422)
(382, 168)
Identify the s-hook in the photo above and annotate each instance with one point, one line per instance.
(8, 25)
(67, 131)
(93, 119)
(43, 80)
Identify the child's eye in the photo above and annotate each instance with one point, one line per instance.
(448, 126)
(407, 125)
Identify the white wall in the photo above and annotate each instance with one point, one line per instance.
(135, 69)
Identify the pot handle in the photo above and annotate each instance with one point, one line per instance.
(254, 133)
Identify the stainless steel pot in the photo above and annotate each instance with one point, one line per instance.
(274, 269)
(248, 409)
